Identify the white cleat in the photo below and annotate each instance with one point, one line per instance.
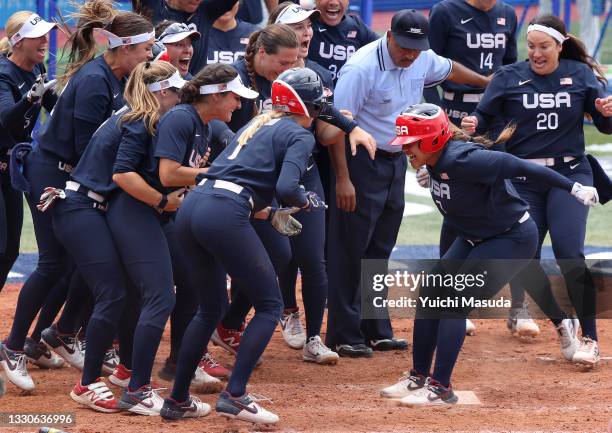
(96, 396)
(292, 330)
(316, 351)
(65, 345)
(40, 355)
(143, 401)
(470, 328)
(407, 385)
(568, 337)
(244, 408)
(111, 361)
(431, 394)
(205, 383)
(14, 364)
(520, 323)
(587, 352)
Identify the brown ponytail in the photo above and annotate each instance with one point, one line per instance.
(143, 103)
(505, 135)
(573, 48)
(98, 14)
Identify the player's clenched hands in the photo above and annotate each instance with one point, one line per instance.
(175, 199)
(604, 105)
(469, 124)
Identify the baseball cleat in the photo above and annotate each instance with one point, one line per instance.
(212, 367)
(96, 396)
(229, 339)
(292, 330)
(354, 350)
(65, 345)
(244, 408)
(121, 376)
(111, 360)
(144, 401)
(408, 384)
(520, 323)
(40, 355)
(389, 344)
(14, 364)
(587, 352)
(470, 328)
(433, 393)
(568, 337)
(191, 408)
(205, 383)
(316, 351)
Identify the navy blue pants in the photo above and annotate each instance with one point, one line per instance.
(52, 306)
(557, 212)
(186, 304)
(368, 233)
(41, 170)
(11, 221)
(218, 238)
(308, 250)
(137, 230)
(446, 332)
(83, 231)
(278, 249)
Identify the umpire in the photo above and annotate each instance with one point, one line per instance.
(375, 84)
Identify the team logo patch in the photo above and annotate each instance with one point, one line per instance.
(566, 81)
(415, 31)
(352, 34)
(501, 21)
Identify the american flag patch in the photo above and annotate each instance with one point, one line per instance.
(501, 21)
(444, 176)
(566, 81)
(244, 41)
(352, 34)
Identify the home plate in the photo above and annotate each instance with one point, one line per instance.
(467, 397)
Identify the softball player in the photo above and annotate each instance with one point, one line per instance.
(266, 158)
(139, 217)
(229, 37)
(175, 44)
(92, 89)
(468, 181)
(23, 92)
(548, 96)
(482, 36)
(202, 14)
(150, 92)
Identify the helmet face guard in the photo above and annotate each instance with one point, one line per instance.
(426, 123)
(298, 91)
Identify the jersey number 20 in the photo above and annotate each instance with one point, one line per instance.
(547, 121)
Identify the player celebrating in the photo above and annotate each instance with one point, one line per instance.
(548, 96)
(174, 44)
(266, 158)
(474, 180)
(229, 37)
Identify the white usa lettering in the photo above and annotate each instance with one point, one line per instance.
(546, 100)
(440, 189)
(486, 40)
(336, 52)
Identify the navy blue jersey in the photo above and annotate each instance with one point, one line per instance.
(227, 47)
(17, 115)
(95, 168)
(548, 110)
(90, 97)
(331, 47)
(257, 165)
(467, 189)
(250, 11)
(204, 17)
(184, 138)
(250, 107)
(482, 41)
(135, 154)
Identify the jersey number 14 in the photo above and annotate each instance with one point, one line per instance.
(486, 60)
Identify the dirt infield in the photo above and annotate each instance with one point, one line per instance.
(522, 386)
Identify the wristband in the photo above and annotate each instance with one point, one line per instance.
(163, 202)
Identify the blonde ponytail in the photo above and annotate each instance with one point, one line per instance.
(12, 26)
(141, 100)
(257, 123)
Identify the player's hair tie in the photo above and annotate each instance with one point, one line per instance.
(554, 33)
(118, 41)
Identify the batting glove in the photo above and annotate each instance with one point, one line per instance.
(422, 177)
(314, 202)
(587, 195)
(39, 88)
(48, 197)
(283, 222)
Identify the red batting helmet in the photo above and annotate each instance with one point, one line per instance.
(425, 122)
(298, 91)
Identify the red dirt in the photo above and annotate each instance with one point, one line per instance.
(518, 391)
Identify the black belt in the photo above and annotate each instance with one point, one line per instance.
(386, 154)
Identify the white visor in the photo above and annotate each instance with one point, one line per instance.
(235, 86)
(115, 41)
(175, 81)
(294, 14)
(555, 34)
(34, 27)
